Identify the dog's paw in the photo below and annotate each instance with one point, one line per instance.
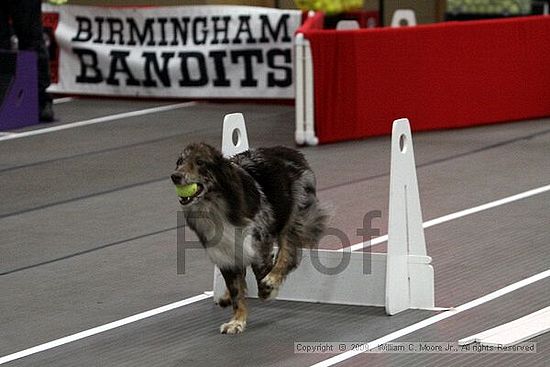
(233, 327)
(269, 287)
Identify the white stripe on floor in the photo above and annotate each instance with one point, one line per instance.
(102, 328)
(63, 100)
(98, 120)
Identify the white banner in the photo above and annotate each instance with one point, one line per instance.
(180, 51)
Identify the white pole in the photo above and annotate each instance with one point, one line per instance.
(299, 101)
(310, 137)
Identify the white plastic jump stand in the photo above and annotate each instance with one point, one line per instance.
(234, 141)
(403, 16)
(409, 275)
(234, 138)
(347, 25)
(401, 279)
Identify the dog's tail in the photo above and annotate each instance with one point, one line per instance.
(314, 224)
(311, 216)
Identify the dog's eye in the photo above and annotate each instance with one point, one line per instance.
(180, 161)
(200, 162)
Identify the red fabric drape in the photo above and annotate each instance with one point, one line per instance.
(444, 75)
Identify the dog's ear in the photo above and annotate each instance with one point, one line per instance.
(216, 154)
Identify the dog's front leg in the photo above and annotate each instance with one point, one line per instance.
(236, 285)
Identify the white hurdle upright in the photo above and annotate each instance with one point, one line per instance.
(406, 16)
(398, 280)
(409, 275)
(234, 138)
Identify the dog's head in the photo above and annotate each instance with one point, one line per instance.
(197, 164)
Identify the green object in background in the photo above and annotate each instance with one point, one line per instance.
(501, 7)
(186, 191)
(58, 2)
(329, 6)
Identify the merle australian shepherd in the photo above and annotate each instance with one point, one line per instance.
(245, 205)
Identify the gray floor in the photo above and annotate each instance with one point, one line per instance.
(88, 217)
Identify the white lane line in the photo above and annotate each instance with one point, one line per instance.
(98, 120)
(459, 214)
(432, 320)
(102, 328)
(63, 100)
(374, 241)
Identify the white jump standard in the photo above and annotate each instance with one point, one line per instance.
(401, 279)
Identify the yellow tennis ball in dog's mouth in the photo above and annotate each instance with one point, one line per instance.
(186, 191)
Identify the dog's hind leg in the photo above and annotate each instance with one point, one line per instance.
(287, 260)
(236, 285)
(224, 300)
(261, 269)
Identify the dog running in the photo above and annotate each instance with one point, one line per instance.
(241, 207)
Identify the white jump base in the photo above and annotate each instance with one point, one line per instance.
(513, 332)
(400, 279)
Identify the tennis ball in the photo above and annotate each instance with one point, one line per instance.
(186, 191)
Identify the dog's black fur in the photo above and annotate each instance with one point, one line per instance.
(244, 205)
